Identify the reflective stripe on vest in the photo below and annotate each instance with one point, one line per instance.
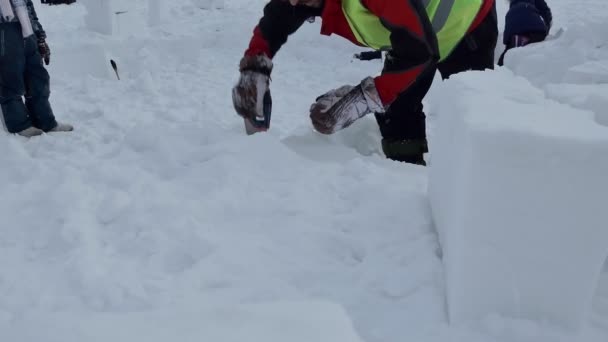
(451, 20)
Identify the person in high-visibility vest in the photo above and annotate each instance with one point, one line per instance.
(420, 37)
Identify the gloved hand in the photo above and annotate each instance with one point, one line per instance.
(339, 108)
(251, 95)
(44, 50)
(368, 55)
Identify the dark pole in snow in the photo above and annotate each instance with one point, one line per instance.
(115, 68)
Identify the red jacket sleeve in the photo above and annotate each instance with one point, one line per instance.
(258, 44)
(413, 43)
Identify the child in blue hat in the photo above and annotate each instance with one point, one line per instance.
(527, 21)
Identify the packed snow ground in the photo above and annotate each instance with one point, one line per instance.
(158, 205)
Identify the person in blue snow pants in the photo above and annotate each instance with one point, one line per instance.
(23, 49)
(526, 22)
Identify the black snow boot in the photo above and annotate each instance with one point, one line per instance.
(407, 151)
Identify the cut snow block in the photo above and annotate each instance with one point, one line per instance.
(157, 12)
(112, 17)
(99, 16)
(518, 193)
(272, 322)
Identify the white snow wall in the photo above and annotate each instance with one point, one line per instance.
(518, 191)
(112, 17)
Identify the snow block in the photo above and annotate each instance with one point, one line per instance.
(157, 12)
(272, 322)
(99, 16)
(518, 193)
(114, 17)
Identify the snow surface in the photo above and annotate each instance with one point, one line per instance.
(292, 321)
(158, 208)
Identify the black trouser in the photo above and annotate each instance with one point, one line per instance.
(23, 74)
(58, 2)
(405, 120)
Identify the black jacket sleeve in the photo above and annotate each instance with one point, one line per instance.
(282, 19)
(545, 12)
(38, 30)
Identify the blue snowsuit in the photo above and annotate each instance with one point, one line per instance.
(525, 17)
(527, 21)
(22, 73)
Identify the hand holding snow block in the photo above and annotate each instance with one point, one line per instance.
(518, 192)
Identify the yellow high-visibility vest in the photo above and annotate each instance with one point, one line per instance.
(451, 20)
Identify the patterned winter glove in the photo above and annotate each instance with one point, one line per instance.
(339, 108)
(44, 50)
(251, 94)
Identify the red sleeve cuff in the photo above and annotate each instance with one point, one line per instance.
(258, 44)
(389, 86)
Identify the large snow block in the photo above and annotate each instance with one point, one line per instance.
(272, 322)
(157, 12)
(518, 193)
(99, 16)
(119, 17)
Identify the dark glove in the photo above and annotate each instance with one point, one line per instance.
(251, 95)
(44, 50)
(58, 2)
(339, 108)
(368, 55)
